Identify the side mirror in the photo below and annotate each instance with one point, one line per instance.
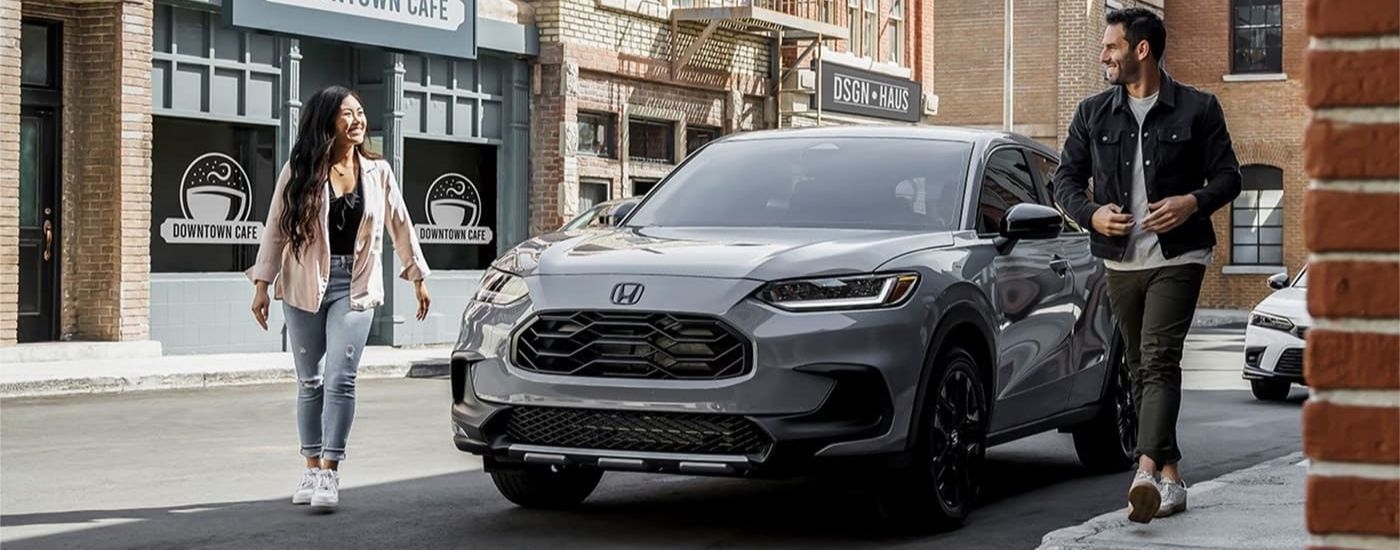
(1278, 281)
(1028, 221)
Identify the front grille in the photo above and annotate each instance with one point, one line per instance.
(631, 345)
(1290, 362)
(665, 432)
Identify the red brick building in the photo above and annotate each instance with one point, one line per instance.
(1351, 424)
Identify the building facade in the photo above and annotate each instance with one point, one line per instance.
(150, 135)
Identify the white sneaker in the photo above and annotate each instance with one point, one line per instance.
(1144, 498)
(327, 489)
(1173, 498)
(307, 486)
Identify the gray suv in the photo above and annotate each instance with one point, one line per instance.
(888, 301)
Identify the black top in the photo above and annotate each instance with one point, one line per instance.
(346, 211)
(1184, 143)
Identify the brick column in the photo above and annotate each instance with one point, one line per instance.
(1351, 424)
(134, 44)
(9, 170)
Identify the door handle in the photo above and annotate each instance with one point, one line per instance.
(48, 239)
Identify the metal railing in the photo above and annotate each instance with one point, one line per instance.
(816, 10)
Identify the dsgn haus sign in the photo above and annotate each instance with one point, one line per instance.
(859, 92)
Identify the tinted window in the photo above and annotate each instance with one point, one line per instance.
(866, 183)
(1045, 168)
(1006, 182)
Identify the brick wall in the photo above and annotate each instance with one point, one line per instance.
(969, 63)
(1351, 424)
(613, 57)
(105, 241)
(9, 169)
(1266, 121)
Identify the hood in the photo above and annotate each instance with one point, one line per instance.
(731, 253)
(1290, 302)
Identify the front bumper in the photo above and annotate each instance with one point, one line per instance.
(1273, 355)
(824, 388)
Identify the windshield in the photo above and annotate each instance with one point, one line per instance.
(858, 183)
(1302, 281)
(584, 219)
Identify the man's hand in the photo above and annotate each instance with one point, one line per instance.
(1110, 220)
(1169, 213)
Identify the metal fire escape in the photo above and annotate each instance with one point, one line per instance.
(798, 29)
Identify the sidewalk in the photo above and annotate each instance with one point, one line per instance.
(1259, 507)
(30, 379)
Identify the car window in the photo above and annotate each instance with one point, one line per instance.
(836, 182)
(585, 219)
(1302, 281)
(1045, 168)
(1006, 182)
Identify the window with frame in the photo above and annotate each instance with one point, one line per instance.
(853, 24)
(1256, 36)
(642, 186)
(595, 134)
(651, 140)
(1256, 217)
(1006, 182)
(592, 191)
(894, 47)
(697, 136)
(870, 36)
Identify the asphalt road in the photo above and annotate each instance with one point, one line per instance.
(214, 469)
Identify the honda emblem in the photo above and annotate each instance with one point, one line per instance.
(626, 294)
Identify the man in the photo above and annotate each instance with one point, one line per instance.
(1161, 163)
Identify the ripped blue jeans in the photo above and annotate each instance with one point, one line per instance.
(326, 347)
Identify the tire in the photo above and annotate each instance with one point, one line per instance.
(1270, 390)
(940, 488)
(1108, 443)
(546, 487)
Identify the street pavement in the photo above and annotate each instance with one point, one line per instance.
(214, 468)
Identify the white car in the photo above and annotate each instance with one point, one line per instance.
(1273, 342)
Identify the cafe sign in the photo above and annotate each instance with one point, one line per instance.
(866, 93)
(444, 27)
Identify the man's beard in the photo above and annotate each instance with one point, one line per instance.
(1128, 70)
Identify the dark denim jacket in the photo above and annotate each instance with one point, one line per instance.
(1185, 149)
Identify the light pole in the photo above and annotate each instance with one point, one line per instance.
(1008, 81)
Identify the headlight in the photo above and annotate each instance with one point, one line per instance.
(1270, 321)
(859, 292)
(500, 288)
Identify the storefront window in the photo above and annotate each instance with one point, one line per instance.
(698, 136)
(450, 189)
(211, 188)
(592, 192)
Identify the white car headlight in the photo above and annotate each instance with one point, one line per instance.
(500, 288)
(836, 293)
(1265, 320)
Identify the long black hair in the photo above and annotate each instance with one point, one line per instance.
(311, 163)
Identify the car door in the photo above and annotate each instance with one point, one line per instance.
(1031, 295)
(1091, 331)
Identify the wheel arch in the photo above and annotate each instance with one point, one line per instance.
(963, 320)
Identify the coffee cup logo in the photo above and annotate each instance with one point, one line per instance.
(216, 198)
(453, 208)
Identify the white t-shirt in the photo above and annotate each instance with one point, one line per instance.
(1144, 249)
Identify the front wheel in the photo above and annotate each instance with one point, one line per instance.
(1270, 390)
(941, 487)
(1108, 443)
(546, 486)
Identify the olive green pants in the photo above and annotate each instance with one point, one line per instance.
(1154, 308)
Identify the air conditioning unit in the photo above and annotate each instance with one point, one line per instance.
(801, 81)
(931, 104)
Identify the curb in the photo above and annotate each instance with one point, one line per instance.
(1071, 538)
(201, 380)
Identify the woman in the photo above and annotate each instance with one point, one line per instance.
(333, 202)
